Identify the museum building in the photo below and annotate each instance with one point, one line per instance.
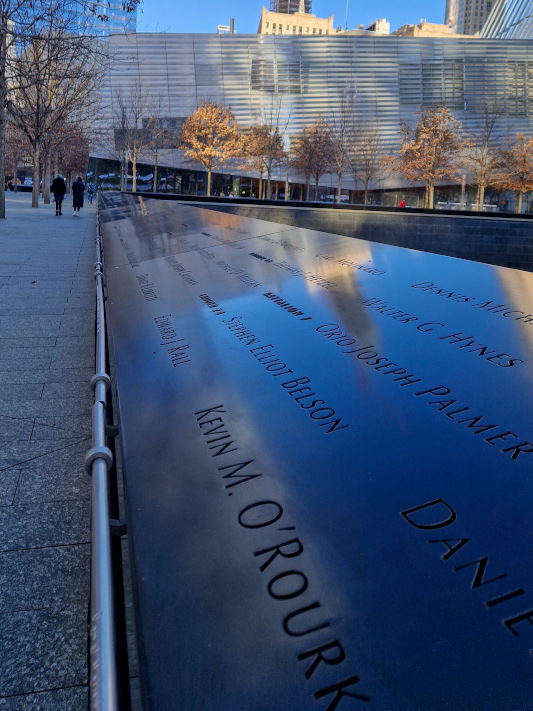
(304, 77)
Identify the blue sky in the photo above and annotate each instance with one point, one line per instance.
(205, 15)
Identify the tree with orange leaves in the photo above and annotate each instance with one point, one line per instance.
(431, 150)
(516, 167)
(211, 137)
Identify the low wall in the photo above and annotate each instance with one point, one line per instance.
(507, 242)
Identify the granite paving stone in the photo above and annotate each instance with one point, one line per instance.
(32, 391)
(8, 364)
(44, 524)
(15, 428)
(17, 408)
(9, 480)
(42, 650)
(75, 389)
(71, 699)
(37, 310)
(34, 486)
(18, 452)
(48, 432)
(46, 578)
(55, 375)
(12, 352)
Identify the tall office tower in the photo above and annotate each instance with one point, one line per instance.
(290, 6)
(510, 19)
(466, 17)
(85, 17)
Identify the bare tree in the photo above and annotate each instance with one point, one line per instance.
(132, 125)
(160, 134)
(341, 134)
(17, 149)
(266, 140)
(482, 151)
(22, 21)
(71, 152)
(56, 79)
(430, 151)
(211, 137)
(313, 153)
(18, 19)
(366, 153)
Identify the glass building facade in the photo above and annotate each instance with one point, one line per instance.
(510, 19)
(87, 18)
(307, 77)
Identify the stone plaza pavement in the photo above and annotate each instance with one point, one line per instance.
(47, 297)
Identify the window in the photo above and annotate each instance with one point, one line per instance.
(319, 32)
(300, 30)
(432, 89)
(267, 24)
(307, 29)
(286, 27)
(280, 77)
(262, 74)
(314, 31)
(410, 84)
(517, 80)
(454, 84)
(279, 27)
(327, 32)
(294, 28)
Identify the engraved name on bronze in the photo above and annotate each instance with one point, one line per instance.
(176, 348)
(286, 581)
(437, 514)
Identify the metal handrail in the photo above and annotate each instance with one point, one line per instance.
(98, 461)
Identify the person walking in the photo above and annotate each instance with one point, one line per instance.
(78, 189)
(59, 189)
(90, 192)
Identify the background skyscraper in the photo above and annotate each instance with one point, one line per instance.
(466, 17)
(88, 22)
(290, 6)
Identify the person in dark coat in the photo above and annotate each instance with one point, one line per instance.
(59, 189)
(78, 189)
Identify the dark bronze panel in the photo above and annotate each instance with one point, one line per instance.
(328, 450)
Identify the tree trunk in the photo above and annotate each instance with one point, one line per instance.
(47, 173)
(208, 193)
(36, 161)
(307, 188)
(155, 173)
(3, 95)
(269, 176)
(277, 190)
(481, 197)
(316, 188)
(519, 204)
(134, 174)
(366, 191)
(431, 193)
(287, 186)
(339, 188)
(261, 185)
(15, 177)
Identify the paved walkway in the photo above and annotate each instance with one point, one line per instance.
(46, 362)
